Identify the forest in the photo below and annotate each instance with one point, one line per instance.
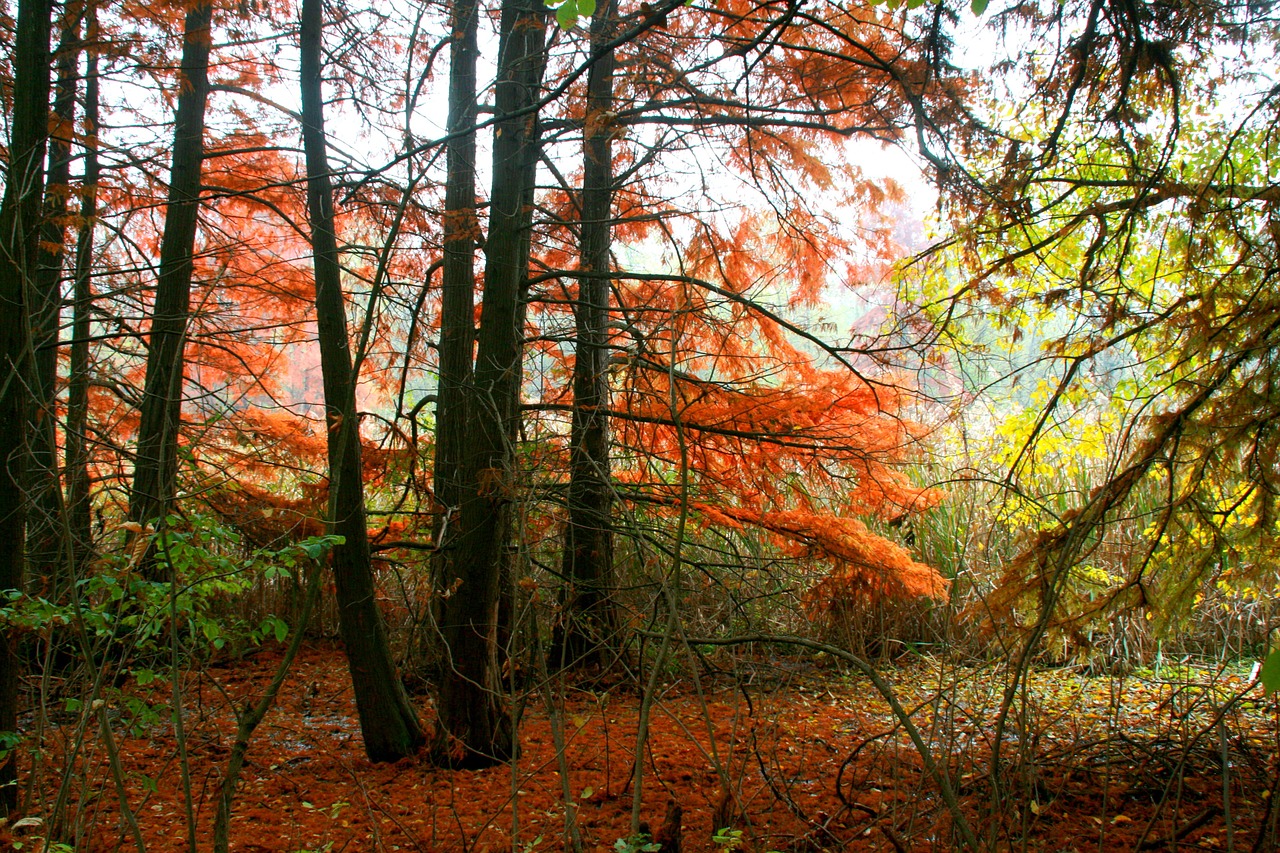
(596, 425)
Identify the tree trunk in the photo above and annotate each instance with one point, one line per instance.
(47, 558)
(472, 728)
(77, 453)
(457, 311)
(19, 246)
(387, 721)
(155, 471)
(589, 617)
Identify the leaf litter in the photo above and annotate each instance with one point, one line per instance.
(812, 760)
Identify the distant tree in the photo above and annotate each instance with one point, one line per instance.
(693, 356)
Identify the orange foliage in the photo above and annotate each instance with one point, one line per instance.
(778, 460)
(264, 518)
(710, 371)
(865, 564)
(778, 432)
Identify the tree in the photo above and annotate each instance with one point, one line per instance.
(1124, 213)
(708, 334)
(155, 468)
(19, 237)
(589, 617)
(461, 229)
(840, 96)
(472, 728)
(1128, 216)
(46, 553)
(78, 509)
(387, 720)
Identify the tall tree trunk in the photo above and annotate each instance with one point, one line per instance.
(457, 312)
(590, 620)
(77, 452)
(155, 470)
(387, 720)
(19, 246)
(45, 532)
(471, 726)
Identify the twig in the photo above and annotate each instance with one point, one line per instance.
(249, 720)
(1186, 829)
(936, 772)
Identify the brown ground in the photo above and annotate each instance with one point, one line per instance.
(798, 758)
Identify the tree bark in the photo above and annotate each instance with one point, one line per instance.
(19, 247)
(387, 721)
(472, 728)
(77, 446)
(589, 617)
(48, 559)
(458, 277)
(155, 470)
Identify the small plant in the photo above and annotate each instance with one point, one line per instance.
(39, 844)
(727, 839)
(638, 843)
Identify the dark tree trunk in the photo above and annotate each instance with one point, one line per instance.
(590, 621)
(77, 452)
(19, 246)
(457, 312)
(472, 728)
(46, 556)
(387, 720)
(155, 470)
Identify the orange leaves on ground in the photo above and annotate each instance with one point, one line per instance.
(823, 743)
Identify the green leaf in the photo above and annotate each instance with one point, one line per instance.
(978, 6)
(567, 14)
(1270, 674)
(586, 8)
(315, 546)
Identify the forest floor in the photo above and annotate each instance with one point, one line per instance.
(790, 754)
